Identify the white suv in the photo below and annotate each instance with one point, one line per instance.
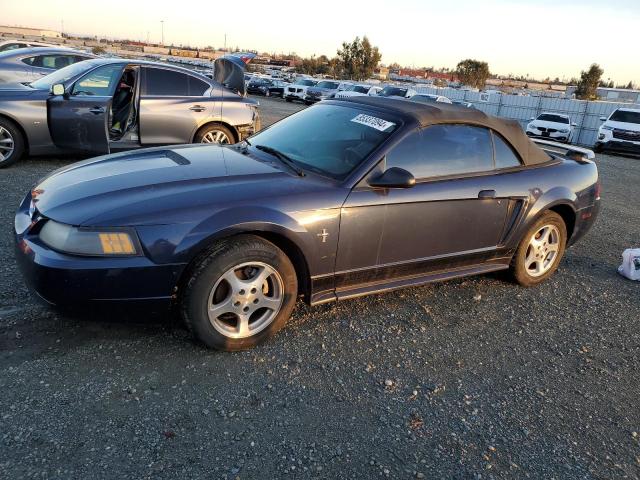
(620, 132)
(553, 126)
(298, 89)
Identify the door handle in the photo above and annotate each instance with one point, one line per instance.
(487, 194)
(197, 108)
(96, 110)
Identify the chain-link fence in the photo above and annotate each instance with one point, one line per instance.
(585, 114)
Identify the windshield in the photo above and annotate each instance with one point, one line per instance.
(331, 140)
(625, 116)
(360, 89)
(306, 83)
(393, 92)
(548, 117)
(328, 85)
(62, 75)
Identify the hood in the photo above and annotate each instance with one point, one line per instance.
(149, 186)
(17, 90)
(548, 124)
(320, 90)
(229, 71)
(634, 127)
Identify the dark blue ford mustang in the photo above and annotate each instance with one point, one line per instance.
(343, 199)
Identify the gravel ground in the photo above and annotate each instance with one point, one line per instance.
(475, 378)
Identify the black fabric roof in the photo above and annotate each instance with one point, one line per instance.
(432, 114)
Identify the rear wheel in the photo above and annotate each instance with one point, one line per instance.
(540, 251)
(239, 294)
(287, 99)
(11, 143)
(214, 133)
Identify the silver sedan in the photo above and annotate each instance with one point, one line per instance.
(29, 64)
(104, 105)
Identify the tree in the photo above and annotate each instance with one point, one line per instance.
(359, 58)
(97, 50)
(588, 83)
(473, 73)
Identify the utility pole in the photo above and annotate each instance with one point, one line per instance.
(62, 27)
(162, 26)
(225, 42)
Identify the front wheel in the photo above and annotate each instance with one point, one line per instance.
(540, 251)
(11, 143)
(214, 134)
(239, 293)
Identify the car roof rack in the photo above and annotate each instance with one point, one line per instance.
(571, 151)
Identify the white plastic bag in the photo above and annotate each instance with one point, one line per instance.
(630, 267)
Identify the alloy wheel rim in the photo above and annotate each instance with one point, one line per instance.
(542, 251)
(215, 136)
(245, 300)
(7, 144)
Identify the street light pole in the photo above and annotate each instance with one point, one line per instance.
(162, 25)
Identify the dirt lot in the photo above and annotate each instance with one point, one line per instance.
(476, 378)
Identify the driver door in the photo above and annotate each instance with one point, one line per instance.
(79, 119)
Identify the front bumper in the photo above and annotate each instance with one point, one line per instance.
(76, 281)
(563, 137)
(620, 146)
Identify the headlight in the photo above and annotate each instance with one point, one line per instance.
(532, 126)
(606, 127)
(81, 241)
(564, 131)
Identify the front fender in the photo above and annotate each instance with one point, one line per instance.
(181, 243)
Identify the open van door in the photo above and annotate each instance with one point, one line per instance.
(229, 71)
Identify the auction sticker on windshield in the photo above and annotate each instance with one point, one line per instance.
(373, 122)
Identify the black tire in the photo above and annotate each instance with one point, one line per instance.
(524, 274)
(213, 129)
(207, 272)
(14, 132)
(286, 99)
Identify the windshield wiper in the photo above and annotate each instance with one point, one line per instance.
(283, 158)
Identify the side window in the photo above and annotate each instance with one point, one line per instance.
(101, 81)
(12, 46)
(456, 150)
(506, 157)
(197, 87)
(49, 61)
(408, 154)
(166, 83)
(442, 150)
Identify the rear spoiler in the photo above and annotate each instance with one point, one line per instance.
(571, 151)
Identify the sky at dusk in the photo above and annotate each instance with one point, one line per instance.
(542, 38)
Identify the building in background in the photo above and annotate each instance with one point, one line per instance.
(23, 32)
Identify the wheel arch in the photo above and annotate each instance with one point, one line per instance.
(231, 128)
(25, 137)
(277, 237)
(568, 214)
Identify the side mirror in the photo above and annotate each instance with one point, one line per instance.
(57, 89)
(603, 119)
(574, 124)
(393, 177)
(532, 119)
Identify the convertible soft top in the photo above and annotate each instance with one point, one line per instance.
(439, 113)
